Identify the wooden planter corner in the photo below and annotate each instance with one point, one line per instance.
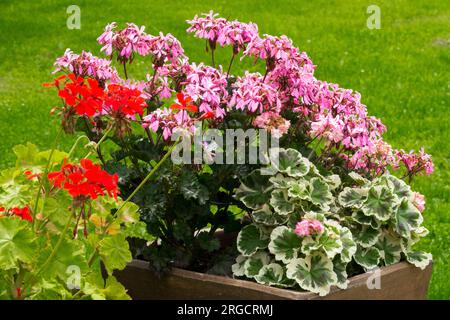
(398, 282)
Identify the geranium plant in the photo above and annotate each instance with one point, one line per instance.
(59, 221)
(331, 207)
(309, 229)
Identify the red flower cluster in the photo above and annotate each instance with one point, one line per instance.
(85, 181)
(184, 103)
(85, 95)
(23, 213)
(121, 100)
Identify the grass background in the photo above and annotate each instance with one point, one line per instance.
(401, 70)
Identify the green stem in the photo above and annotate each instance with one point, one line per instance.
(44, 176)
(100, 141)
(149, 175)
(58, 244)
(72, 150)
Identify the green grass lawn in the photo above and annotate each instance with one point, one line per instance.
(402, 71)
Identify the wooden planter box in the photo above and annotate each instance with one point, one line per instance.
(398, 282)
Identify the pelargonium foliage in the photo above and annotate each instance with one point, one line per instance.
(308, 229)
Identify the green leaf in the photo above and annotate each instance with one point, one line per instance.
(419, 259)
(255, 190)
(270, 274)
(398, 187)
(279, 201)
(368, 258)
(328, 241)
(191, 188)
(279, 181)
(208, 242)
(138, 230)
(129, 213)
(250, 239)
(348, 245)
(238, 268)
(255, 263)
(390, 249)
(14, 195)
(366, 236)
(17, 242)
(70, 253)
(267, 217)
(313, 273)
(319, 192)
(407, 218)
(361, 218)
(360, 180)
(352, 197)
(299, 190)
(340, 269)
(284, 244)
(111, 290)
(115, 252)
(292, 163)
(380, 203)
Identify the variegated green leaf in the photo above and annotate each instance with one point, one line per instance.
(328, 241)
(254, 263)
(407, 218)
(380, 203)
(280, 181)
(270, 274)
(340, 269)
(267, 217)
(398, 187)
(334, 181)
(250, 239)
(319, 192)
(238, 268)
(284, 244)
(419, 259)
(292, 163)
(361, 218)
(279, 201)
(390, 249)
(313, 273)
(298, 190)
(368, 258)
(360, 180)
(348, 245)
(366, 236)
(254, 190)
(353, 197)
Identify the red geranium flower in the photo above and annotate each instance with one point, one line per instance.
(184, 103)
(85, 181)
(121, 101)
(84, 95)
(23, 213)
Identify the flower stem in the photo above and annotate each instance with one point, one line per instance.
(149, 175)
(58, 244)
(44, 176)
(97, 148)
(229, 66)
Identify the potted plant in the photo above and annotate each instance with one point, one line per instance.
(316, 214)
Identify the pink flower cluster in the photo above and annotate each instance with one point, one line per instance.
(288, 89)
(133, 39)
(273, 123)
(308, 227)
(415, 162)
(418, 200)
(207, 85)
(86, 65)
(252, 94)
(168, 121)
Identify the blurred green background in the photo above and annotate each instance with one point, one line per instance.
(402, 71)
